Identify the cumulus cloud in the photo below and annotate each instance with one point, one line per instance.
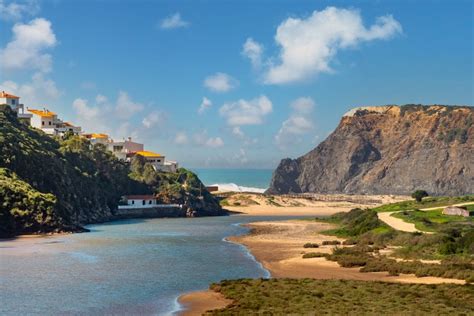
(253, 51)
(307, 46)
(220, 82)
(237, 132)
(16, 10)
(181, 138)
(202, 139)
(113, 117)
(153, 119)
(243, 112)
(125, 107)
(205, 104)
(214, 142)
(299, 122)
(173, 21)
(26, 49)
(40, 91)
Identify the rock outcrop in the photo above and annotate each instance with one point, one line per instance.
(388, 150)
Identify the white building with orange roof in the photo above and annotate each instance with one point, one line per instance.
(158, 161)
(127, 146)
(49, 123)
(14, 102)
(98, 138)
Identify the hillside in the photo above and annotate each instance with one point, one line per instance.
(388, 150)
(52, 185)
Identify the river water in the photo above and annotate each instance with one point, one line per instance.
(124, 267)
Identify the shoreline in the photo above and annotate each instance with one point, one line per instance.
(278, 249)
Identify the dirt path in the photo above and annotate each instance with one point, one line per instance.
(397, 223)
(400, 224)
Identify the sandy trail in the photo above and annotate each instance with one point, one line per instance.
(401, 225)
(397, 223)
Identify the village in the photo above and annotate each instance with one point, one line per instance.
(125, 149)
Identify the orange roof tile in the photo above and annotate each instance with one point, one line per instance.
(41, 113)
(3, 94)
(147, 154)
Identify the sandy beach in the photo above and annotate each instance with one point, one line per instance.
(278, 245)
(252, 204)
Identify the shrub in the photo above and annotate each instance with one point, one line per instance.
(311, 245)
(315, 255)
(331, 242)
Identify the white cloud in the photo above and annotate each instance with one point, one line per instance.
(309, 45)
(253, 50)
(40, 91)
(26, 49)
(13, 11)
(114, 118)
(125, 107)
(101, 99)
(243, 112)
(153, 119)
(237, 132)
(205, 104)
(202, 139)
(299, 122)
(214, 142)
(181, 138)
(173, 21)
(220, 82)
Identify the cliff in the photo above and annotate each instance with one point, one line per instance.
(388, 150)
(52, 184)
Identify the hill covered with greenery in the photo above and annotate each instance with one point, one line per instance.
(51, 184)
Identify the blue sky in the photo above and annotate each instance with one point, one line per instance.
(276, 75)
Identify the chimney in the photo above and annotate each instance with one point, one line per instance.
(129, 139)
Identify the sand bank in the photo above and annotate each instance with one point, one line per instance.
(279, 247)
(265, 205)
(196, 303)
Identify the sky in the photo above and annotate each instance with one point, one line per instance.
(232, 84)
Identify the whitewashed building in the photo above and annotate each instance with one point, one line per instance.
(49, 123)
(14, 103)
(121, 149)
(98, 138)
(158, 161)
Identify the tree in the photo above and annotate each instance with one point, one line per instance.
(418, 195)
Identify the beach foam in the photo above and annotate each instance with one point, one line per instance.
(232, 187)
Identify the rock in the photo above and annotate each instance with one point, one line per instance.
(388, 150)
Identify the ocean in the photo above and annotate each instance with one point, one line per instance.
(250, 180)
(122, 268)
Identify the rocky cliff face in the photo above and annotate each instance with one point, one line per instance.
(388, 150)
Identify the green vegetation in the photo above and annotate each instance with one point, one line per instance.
(310, 245)
(342, 297)
(426, 203)
(331, 242)
(51, 184)
(355, 223)
(418, 195)
(453, 243)
(433, 221)
(314, 255)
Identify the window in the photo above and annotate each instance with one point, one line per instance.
(42, 122)
(149, 202)
(13, 101)
(133, 202)
(49, 122)
(143, 202)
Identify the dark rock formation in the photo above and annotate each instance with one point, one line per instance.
(388, 150)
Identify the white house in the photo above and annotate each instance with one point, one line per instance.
(158, 161)
(121, 149)
(98, 138)
(49, 123)
(138, 201)
(14, 102)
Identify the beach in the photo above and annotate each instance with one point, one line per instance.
(278, 246)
